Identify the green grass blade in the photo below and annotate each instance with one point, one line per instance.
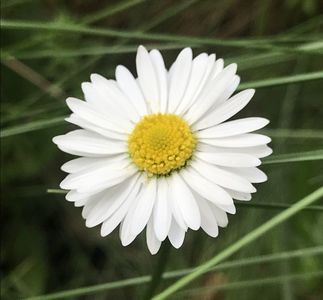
(74, 28)
(6, 4)
(244, 241)
(98, 50)
(293, 134)
(167, 14)
(270, 258)
(250, 261)
(251, 283)
(294, 157)
(32, 126)
(246, 62)
(282, 80)
(111, 10)
(277, 206)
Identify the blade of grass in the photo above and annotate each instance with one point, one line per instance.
(293, 134)
(98, 50)
(279, 206)
(251, 283)
(286, 115)
(294, 157)
(244, 262)
(246, 62)
(74, 28)
(281, 80)
(6, 4)
(111, 10)
(167, 14)
(32, 76)
(31, 126)
(244, 241)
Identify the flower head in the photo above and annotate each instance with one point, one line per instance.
(157, 151)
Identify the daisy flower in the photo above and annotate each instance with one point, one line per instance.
(158, 151)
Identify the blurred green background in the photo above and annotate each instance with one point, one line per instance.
(45, 246)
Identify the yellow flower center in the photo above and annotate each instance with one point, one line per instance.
(161, 143)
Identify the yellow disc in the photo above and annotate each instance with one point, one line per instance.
(161, 143)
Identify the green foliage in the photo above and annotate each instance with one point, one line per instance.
(50, 47)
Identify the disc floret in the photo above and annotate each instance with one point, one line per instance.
(161, 143)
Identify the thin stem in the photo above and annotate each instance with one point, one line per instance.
(158, 270)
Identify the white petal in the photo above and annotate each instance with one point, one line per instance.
(82, 202)
(76, 120)
(176, 235)
(232, 128)
(99, 99)
(226, 110)
(104, 183)
(83, 163)
(227, 93)
(217, 68)
(90, 142)
(145, 204)
(152, 242)
(94, 179)
(161, 74)
(110, 90)
(254, 175)
(223, 177)
(220, 215)
(239, 195)
(229, 159)
(110, 224)
(258, 151)
(179, 80)
(148, 79)
(73, 196)
(81, 199)
(95, 117)
(130, 88)
(127, 236)
(208, 190)
(211, 94)
(112, 199)
(185, 200)
(76, 152)
(239, 141)
(199, 66)
(203, 82)
(162, 210)
(93, 209)
(208, 220)
(175, 208)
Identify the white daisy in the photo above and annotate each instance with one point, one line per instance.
(157, 151)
